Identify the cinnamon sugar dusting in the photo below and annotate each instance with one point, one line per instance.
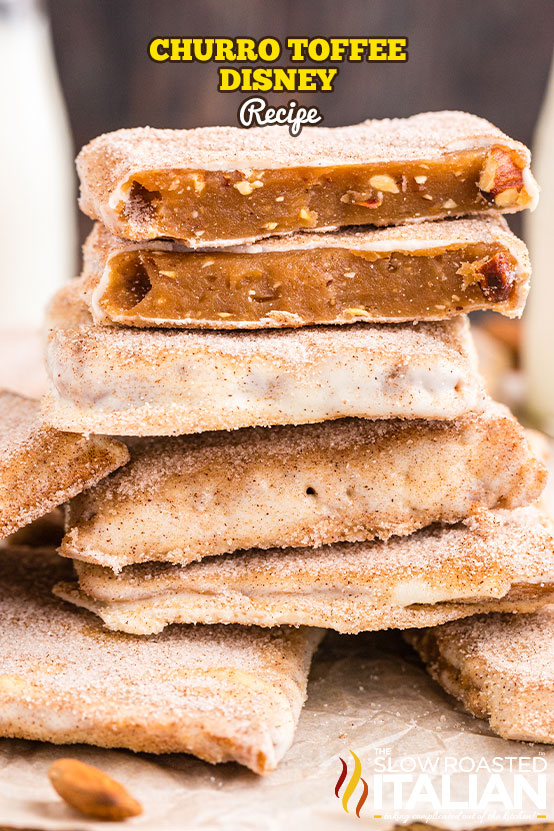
(224, 693)
(500, 666)
(100, 243)
(426, 134)
(40, 467)
(145, 183)
(519, 545)
(109, 158)
(437, 574)
(521, 647)
(195, 496)
(128, 381)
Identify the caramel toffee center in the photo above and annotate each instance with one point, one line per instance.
(325, 285)
(206, 205)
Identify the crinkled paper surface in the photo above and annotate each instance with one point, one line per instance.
(368, 694)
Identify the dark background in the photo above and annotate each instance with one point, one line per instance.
(490, 57)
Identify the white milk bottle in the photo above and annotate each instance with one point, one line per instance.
(539, 315)
(37, 208)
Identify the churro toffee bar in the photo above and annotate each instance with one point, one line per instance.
(424, 271)
(138, 382)
(223, 693)
(498, 561)
(224, 185)
(353, 479)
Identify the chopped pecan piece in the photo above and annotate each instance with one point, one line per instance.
(385, 183)
(501, 173)
(498, 278)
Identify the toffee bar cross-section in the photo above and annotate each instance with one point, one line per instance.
(223, 693)
(437, 574)
(40, 468)
(181, 499)
(425, 271)
(225, 185)
(138, 382)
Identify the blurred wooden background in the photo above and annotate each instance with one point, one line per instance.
(491, 57)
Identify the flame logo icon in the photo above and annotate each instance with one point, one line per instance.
(351, 784)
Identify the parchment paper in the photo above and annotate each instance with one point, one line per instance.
(368, 694)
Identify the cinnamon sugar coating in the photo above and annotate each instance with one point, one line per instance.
(223, 693)
(504, 561)
(224, 185)
(40, 468)
(182, 499)
(500, 666)
(139, 382)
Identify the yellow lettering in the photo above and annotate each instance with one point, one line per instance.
(297, 45)
(180, 49)
(154, 49)
(262, 80)
(283, 79)
(269, 49)
(229, 79)
(303, 83)
(203, 49)
(319, 49)
(397, 49)
(224, 50)
(327, 76)
(246, 49)
(357, 48)
(377, 49)
(338, 48)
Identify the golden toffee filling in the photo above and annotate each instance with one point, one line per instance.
(145, 287)
(210, 205)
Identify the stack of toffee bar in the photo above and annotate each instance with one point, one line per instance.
(312, 445)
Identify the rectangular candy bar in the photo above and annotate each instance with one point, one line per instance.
(226, 185)
(428, 271)
(186, 498)
(500, 666)
(437, 574)
(126, 381)
(223, 693)
(40, 467)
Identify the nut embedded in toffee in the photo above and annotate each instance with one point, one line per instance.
(498, 278)
(427, 271)
(501, 180)
(221, 186)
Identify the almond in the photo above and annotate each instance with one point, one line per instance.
(91, 791)
(506, 198)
